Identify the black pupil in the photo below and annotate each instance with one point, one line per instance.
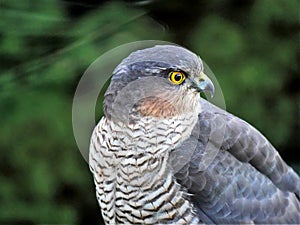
(177, 77)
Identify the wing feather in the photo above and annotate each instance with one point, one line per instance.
(234, 174)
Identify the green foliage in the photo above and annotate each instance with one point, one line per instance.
(44, 51)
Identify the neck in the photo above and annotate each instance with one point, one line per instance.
(151, 135)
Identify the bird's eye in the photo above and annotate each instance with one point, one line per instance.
(176, 77)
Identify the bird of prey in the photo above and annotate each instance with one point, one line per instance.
(161, 154)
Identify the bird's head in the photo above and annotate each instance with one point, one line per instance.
(162, 81)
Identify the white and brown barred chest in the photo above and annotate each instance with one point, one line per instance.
(134, 182)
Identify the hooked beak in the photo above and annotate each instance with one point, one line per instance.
(203, 83)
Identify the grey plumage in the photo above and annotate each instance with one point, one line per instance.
(247, 182)
(161, 154)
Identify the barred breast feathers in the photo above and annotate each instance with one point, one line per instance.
(131, 172)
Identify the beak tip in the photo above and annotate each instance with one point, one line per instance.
(212, 90)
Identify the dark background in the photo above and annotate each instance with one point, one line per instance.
(46, 45)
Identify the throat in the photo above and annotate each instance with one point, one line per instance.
(152, 135)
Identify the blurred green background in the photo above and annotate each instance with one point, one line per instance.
(45, 46)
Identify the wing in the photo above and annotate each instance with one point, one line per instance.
(234, 175)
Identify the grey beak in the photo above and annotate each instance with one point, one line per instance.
(205, 84)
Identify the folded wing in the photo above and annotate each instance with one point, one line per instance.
(234, 174)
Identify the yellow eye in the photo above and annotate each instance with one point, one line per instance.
(176, 77)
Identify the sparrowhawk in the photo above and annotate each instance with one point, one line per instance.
(161, 154)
